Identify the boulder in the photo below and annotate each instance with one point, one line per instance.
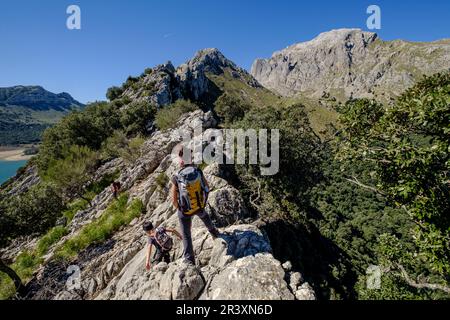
(237, 265)
(305, 292)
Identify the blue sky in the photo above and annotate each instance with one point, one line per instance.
(122, 38)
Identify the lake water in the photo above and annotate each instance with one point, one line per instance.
(8, 169)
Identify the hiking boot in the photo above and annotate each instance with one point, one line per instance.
(188, 262)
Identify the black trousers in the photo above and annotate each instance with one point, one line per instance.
(161, 256)
(186, 224)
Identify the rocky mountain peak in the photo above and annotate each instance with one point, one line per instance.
(346, 63)
(165, 67)
(348, 37)
(164, 84)
(193, 75)
(209, 60)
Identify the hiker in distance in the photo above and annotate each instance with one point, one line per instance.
(115, 188)
(189, 196)
(159, 238)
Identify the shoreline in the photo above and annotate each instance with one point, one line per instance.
(13, 154)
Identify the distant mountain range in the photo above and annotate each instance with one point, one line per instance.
(335, 66)
(26, 111)
(348, 63)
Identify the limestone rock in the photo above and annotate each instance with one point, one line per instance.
(305, 292)
(24, 182)
(287, 266)
(237, 265)
(348, 63)
(193, 74)
(227, 206)
(258, 277)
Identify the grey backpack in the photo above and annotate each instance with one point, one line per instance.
(163, 239)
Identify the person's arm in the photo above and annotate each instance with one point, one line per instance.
(205, 182)
(174, 192)
(149, 255)
(175, 232)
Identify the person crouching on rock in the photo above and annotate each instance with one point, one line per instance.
(163, 243)
(189, 196)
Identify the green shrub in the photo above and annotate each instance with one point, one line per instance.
(406, 146)
(74, 207)
(150, 89)
(35, 211)
(73, 171)
(53, 236)
(114, 93)
(230, 109)
(282, 195)
(131, 81)
(88, 128)
(135, 118)
(113, 145)
(98, 186)
(28, 261)
(120, 146)
(7, 289)
(133, 151)
(115, 216)
(161, 180)
(167, 117)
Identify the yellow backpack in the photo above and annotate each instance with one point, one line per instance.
(192, 192)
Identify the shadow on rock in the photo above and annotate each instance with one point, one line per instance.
(243, 243)
(322, 262)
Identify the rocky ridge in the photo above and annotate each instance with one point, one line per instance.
(165, 84)
(348, 63)
(237, 265)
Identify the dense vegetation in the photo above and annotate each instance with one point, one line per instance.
(92, 127)
(376, 195)
(115, 216)
(13, 133)
(168, 117)
(25, 112)
(407, 146)
(70, 153)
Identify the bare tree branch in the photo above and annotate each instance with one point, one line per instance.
(255, 196)
(14, 277)
(421, 285)
(354, 180)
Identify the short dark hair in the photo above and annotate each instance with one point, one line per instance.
(147, 226)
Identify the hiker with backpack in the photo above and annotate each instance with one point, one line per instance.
(160, 239)
(189, 196)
